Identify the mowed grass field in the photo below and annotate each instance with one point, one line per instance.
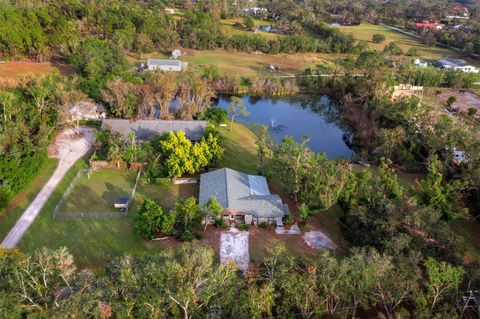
(248, 64)
(98, 192)
(365, 31)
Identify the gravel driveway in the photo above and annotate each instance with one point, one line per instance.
(69, 146)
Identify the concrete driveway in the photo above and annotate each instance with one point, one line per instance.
(69, 146)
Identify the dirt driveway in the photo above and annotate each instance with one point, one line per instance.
(68, 147)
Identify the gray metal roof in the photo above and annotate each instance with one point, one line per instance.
(164, 62)
(233, 190)
(452, 62)
(145, 129)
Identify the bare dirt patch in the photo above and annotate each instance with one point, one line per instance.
(465, 99)
(318, 240)
(13, 71)
(234, 247)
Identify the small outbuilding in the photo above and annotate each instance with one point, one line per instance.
(121, 202)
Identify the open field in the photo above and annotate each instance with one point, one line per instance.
(248, 64)
(229, 29)
(12, 71)
(15, 208)
(366, 30)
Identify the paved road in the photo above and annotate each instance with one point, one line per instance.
(68, 149)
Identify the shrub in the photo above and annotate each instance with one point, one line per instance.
(263, 225)
(472, 111)
(214, 115)
(304, 213)
(243, 227)
(378, 38)
(289, 220)
(199, 236)
(185, 235)
(221, 223)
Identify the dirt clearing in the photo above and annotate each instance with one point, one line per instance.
(234, 247)
(13, 71)
(318, 240)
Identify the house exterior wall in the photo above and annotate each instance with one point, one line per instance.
(165, 68)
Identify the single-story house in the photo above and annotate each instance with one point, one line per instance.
(246, 198)
(166, 65)
(448, 63)
(146, 129)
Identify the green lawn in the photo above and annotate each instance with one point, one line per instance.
(94, 241)
(240, 148)
(366, 30)
(16, 207)
(98, 193)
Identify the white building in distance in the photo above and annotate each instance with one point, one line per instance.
(166, 65)
(448, 63)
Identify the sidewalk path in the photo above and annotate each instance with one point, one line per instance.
(68, 148)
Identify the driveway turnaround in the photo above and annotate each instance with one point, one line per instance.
(69, 146)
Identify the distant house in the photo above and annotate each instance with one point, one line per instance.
(420, 63)
(146, 129)
(255, 11)
(166, 65)
(246, 198)
(432, 25)
(458, 11)
(448, 63)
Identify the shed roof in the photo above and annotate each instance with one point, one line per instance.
(452, 62)
(164, 62)
(145, 129)
(241, 192)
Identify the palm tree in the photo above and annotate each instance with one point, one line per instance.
(115, 155)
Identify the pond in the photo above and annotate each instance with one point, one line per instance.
(316, 116)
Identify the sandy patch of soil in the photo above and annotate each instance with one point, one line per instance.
(234, 247)
(318, 240)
